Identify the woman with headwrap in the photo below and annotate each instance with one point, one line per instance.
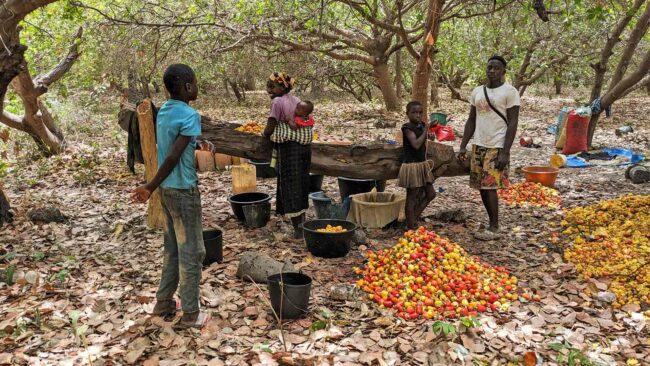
(292, 151)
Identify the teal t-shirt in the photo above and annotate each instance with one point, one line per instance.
(177, 118)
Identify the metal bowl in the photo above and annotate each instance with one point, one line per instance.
(545, 175)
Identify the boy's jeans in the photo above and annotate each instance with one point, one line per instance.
(184, 249)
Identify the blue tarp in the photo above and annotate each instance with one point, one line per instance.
(627, 157)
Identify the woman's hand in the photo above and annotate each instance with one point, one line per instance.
(292, 125)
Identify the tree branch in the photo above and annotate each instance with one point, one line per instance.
(12, 121)
(372, 18)
(541, 71)
(24, 86)
(608, 49)
(641, 84)
(402, 33)
(310, 48)
(20, 8)
(472, 15)
(170, 24)
(633, 40)
(43, 81)
(615, 93)
(455, 94)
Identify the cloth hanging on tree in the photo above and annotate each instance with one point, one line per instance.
(128, 121)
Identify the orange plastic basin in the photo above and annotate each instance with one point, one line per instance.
(545, 175)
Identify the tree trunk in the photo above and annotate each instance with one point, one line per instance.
(5, 209)
(593, 123)
(235, 89)
(10, 66)
(421, 83)
(434, 98)
(420, 91)
(155, 217)
(398, 74)
(386, 86)
(599, 80)
(249, 82)
(374, 161)
(225, 87)
(522, 90)
(455, 94)
(557, 80)
(37, 121)
(607, 51)
(621, 81)
(12, 60)
(317, 88)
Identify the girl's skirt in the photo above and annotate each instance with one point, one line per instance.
(413, 175)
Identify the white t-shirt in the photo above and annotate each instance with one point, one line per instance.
(490, 128)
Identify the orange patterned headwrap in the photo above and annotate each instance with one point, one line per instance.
(283, 79)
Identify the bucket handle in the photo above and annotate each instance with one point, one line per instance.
(287, 298)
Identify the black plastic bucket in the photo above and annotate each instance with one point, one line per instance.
(213, 241)
(289, 294)
(263, 169)
(239, 200)
(350, 186)
(328, 245)
(258, 214)
(325, 209)
(315, 182)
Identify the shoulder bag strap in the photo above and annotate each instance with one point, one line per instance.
(491, 106)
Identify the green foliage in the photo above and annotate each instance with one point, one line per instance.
(37, 256)
(574, 356)
(7, 257)
(229, 41)
(79, 330)
(60, 276)
(3, 168)
(9, 275)
(470, 322)
(318, 325)
(445, 328)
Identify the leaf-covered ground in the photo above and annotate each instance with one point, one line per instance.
(102, 265)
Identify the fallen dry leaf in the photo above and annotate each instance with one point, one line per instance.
(530, 359)
(136, 349)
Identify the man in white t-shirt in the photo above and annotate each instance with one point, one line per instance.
(492, 122)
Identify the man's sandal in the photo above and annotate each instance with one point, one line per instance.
(195, 320)
(165, 308)
(486, 235)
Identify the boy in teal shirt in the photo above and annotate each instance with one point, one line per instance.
(177, 127)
